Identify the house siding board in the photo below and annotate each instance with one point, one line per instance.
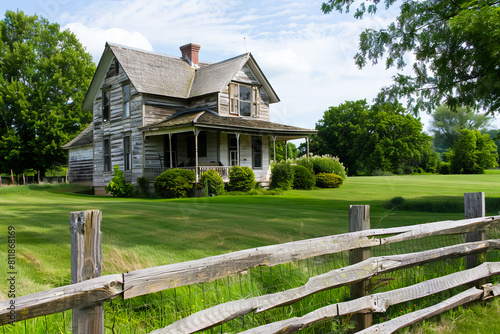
(224, 149)
(80, 165)
(159, 108)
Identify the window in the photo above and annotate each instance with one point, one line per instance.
(127, 161)
(126, 100)
(257, 152)
(233, 150)
(107, 155)
(105, 105)
(244, 100)
(202, 145)
(117, 67)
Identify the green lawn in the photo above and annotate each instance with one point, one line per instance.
(142, 233)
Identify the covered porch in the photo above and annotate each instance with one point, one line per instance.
(201, 140)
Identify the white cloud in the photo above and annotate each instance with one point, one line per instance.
(95, 38)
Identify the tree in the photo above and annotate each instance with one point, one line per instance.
(367, 139)
(45, 74)
(473, 153)
(281, 150)
(454, 45)
(446, 125)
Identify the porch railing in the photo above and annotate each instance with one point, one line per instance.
(152, 173)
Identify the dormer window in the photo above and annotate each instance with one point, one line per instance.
(244, 100)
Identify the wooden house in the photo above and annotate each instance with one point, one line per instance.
(152, 112)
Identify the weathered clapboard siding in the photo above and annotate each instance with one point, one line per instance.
(209, 102)
(245, 75)
(159, 108)
(80, 165)
(116, 129)
(154, 152)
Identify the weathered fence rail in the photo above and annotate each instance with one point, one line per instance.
(91, 292)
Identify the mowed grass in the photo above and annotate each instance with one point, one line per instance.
(139, 233)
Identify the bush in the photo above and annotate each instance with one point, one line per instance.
(307, 164)
(143, 186)
(328, 164)
(395, 202)
(328, 180)
(281, 176)
(444, 168)
(212, 182)
(175, 183)
(303, 178)
(118, 187)
(241, 179)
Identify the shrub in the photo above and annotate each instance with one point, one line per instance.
(281, 176)
(241, 178)
(328, 164)
(118, 187)
(174, 183)
(444, 168)
(143, 185)
(307, 164)
(212, 182)
(395, 202)
(303, 178)
(328, 180)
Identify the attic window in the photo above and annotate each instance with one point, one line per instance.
(244, 100)
(117, 67)
(105, 105)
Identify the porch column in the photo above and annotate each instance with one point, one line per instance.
(274, 145)
(196, 133)
(286, 150)
(238, 147)
(170, 149)
(307, 140)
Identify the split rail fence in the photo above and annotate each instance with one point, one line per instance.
(88, 291)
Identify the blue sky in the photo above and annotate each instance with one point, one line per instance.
(306, 55)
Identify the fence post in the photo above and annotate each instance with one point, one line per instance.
(359, 220)
(86, 259)
(475, 207)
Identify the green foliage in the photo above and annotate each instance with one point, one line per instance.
(281, 149)
(212, 182)
(281, 176)
(118, 187)
(395, 202)
(143, 185)
(175, 183)
(44, 78)
(302, 161)
(473, 153)
(444, 167)
(455, 48)
(303, 178)
(328, 180)
(374, 138)
(328, 164)
(241, 178)
(446, 125)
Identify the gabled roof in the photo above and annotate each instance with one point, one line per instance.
(84, 138)
(157, 74)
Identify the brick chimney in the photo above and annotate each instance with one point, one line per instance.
(190, 53)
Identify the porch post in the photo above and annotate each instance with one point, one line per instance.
(170, 149)
(274, 145)
(307, 140)
(196, 133)
(286, 150)
(238, 147)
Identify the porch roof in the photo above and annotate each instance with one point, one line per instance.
(207, 119)
(84, 138)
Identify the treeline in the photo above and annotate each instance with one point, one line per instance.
(386, 139)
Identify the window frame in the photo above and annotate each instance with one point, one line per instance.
(126, 104)
(235, 100)
(127, 156)
(257, 152)
(107, 155)
(106, 105)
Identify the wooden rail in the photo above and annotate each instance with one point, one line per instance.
(91, 292)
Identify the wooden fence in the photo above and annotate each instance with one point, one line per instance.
(88, 290)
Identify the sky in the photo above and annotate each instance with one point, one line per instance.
(307, 56)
